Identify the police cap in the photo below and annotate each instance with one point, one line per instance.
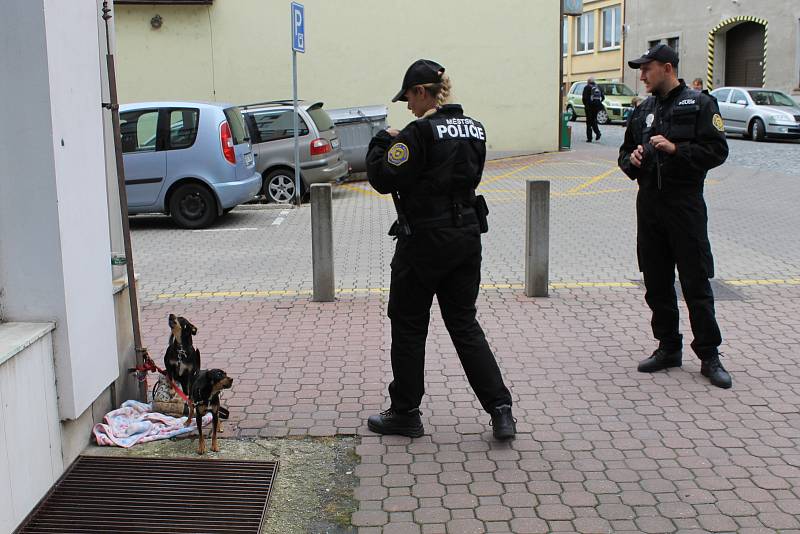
(420, 72)
(661, 53)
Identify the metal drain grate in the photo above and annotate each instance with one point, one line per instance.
(144, 495)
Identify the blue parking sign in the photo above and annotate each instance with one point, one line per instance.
(298, 28)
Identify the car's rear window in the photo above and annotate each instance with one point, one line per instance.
(236, 122)
(320, 118)
(616, 89)
(274, 125)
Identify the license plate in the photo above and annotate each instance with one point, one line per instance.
(248, 159)
(335, 144)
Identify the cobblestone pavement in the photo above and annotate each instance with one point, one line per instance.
(601, 448)
(780, 155)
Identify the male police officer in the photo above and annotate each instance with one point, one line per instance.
(673, 139)
(432, 167)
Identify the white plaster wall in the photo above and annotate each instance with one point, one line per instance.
(78, 144)
(30, 433)
(54, 221)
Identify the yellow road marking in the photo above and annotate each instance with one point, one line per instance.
(364, 191)
(508, 174)
(593, 180)
(381, 290)
(764, 282)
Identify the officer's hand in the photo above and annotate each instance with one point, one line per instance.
(663, 144)
(394, 132)
(637, 155)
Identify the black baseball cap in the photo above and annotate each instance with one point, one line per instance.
(661, 53)
(420, 72)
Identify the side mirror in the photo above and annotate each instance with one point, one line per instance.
(742, 102)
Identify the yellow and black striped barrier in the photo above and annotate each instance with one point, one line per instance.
(712, 46)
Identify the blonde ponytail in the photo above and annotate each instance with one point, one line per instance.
(441, 90)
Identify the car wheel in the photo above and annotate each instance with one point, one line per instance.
(602, 117)
(572, 115)
(279, 186)
(193, 206)
(759, 132)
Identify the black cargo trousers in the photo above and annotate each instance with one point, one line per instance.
(672, 230)
(445, 262)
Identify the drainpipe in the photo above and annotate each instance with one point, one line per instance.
(560, 72)
(113, 105)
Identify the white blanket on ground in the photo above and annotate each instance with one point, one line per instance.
(135, 422)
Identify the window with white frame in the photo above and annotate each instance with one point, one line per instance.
(564, 36)
(584, 33)
(612, 27)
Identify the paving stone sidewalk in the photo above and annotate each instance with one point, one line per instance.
(601, 448)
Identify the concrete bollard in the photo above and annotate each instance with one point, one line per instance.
(322, 242)
(537, 238)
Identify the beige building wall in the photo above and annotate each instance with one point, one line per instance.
(503, 57)
(602, 63)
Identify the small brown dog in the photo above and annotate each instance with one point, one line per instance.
(181, 359)
(207, 384)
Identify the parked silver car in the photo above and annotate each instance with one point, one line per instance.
(758, 113)
(192, 160)
(271, 129)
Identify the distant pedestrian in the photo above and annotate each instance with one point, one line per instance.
(672, 140)
(592, 103)
(697, 84)
(432, 168)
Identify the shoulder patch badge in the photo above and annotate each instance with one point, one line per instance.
(718, 123)
(398, 154)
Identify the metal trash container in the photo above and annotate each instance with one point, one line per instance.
(566, 131)
(355, 127)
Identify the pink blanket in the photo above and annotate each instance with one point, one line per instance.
(135, 422)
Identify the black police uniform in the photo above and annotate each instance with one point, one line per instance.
(434, 166)
(671, 212)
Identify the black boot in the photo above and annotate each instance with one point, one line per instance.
(397, 423)
(712, 369)
(661, 359)
(503, 423)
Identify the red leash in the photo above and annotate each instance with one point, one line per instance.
(149, 366)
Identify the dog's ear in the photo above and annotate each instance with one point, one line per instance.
(193, 327)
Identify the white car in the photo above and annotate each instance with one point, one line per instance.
(758, 113)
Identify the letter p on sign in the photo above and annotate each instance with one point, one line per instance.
(298, 28)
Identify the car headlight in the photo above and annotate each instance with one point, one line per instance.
(782, 119)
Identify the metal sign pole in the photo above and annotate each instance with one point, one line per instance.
(296, 131)
(298, 45)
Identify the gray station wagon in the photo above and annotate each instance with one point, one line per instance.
(271, 128)
(758, 113)
(190, 160)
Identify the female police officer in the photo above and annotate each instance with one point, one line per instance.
(432, 168)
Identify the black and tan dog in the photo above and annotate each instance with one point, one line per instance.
(182, 359)
(206, 387)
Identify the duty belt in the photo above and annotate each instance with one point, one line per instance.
(456, 219)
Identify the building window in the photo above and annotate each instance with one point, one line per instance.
(564, 36)
(584, 33)
(612, 27)
(675, 44)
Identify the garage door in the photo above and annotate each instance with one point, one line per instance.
(744, 56)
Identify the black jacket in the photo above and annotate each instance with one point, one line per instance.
(686, 117)
(586, 97)
(434, 162)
